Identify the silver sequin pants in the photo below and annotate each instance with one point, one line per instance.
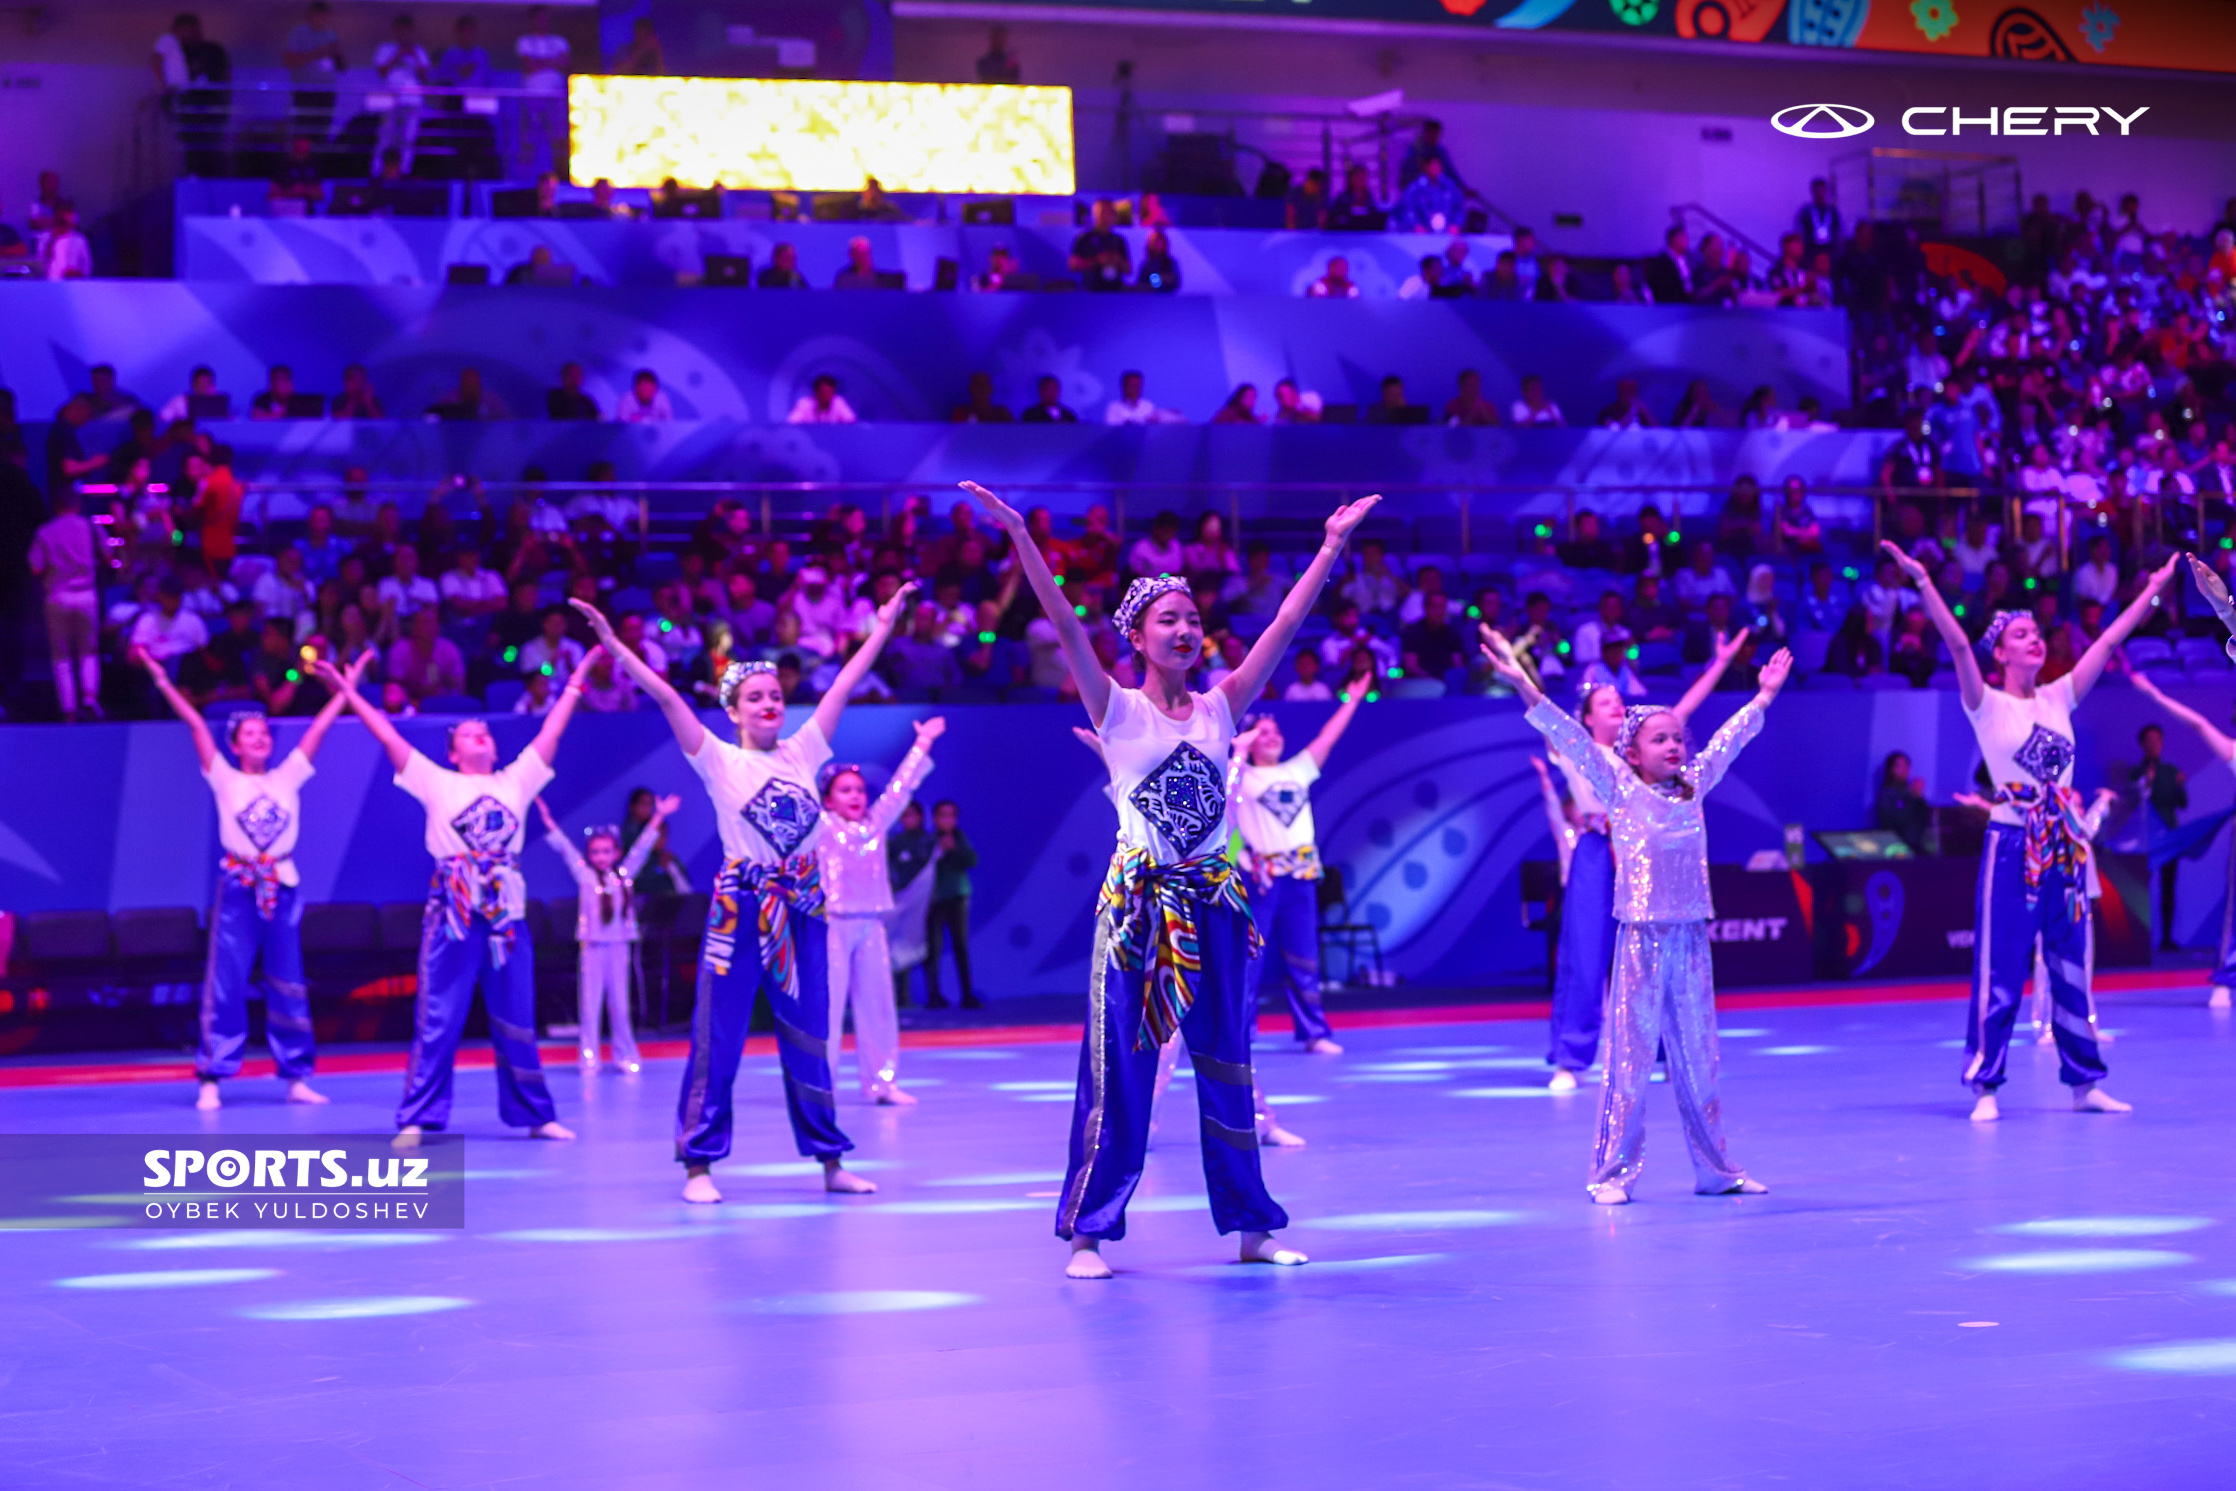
(1662, 993)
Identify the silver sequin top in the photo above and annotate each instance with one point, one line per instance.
(855, 880)
(1660, 839)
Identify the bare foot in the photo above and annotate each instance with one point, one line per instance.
(2218, 999)
(893, 1097)
(552, 1130)
(1273, 1136)
(1986, 1109)
(1086, 1260)
(407, 1137)
(1610, 1195)
(207, 1099)
(300, 1091)
(2094, 1099)
(698, 1188)
(1259, 1247)
(1324, 1047)
(845, 1182)
(1564, 1080)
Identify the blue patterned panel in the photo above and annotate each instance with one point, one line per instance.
(262, 822)
(1185, 798)
(784, 813)
(2045, 756)
(1284, 800)
(487, 826)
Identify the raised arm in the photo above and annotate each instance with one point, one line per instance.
(664, 808)
(681, 717)
(1715, 758)
(1719, 659)
(832, 705)
(399, 749)
(914, 767)
(335, 703)
(205, 745)
(546, 743)
(1507, 664)
(1354, 695)
(1079, 652)
(1560, 729)
(2220, 745)
(2216, 595)
(1246, 683)
(2089, 666)
(560, 844)
(1970, 685)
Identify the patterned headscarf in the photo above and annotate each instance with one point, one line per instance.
(240, 717)
(1141, 595)
(1996, 628)
(734, 677)
(831, 772)
(1634, 720)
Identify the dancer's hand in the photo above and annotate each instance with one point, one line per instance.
(2164, 574)
(1544, 772)
(1500, 654)
(2142, 682)
(1005, 517)
(1914, 570)
(354, 674)
(2216, 593)
(666, 807)
(325, 672)
(1089, 739)
(600, 628)
(930, 730)
(548, 821)
(1344, 519)
(590, 660)
(1727, 647)
(1773, 676)
(889, 614)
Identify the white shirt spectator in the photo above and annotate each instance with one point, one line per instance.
(1520, 413)
(1694, 588)
(407, 596)
(2097, 582)
(276, 595)
(69, 256)
(1147, 557)
(632, 410)
(824, 619)
(1315, 692)
(1140, 412)
(402, 68)
(165, 637)
(555, 659)
(807, 412)
(481, 587)
(543, 62)
(173, 58)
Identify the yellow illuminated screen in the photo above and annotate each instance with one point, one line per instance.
(772, 134)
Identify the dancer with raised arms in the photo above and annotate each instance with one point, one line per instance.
(259, 910)
(606, 928)
(2223, 981)
(766, 936)
(471, 932)
(2034, 868)
(1663, 990)
(1172, 930)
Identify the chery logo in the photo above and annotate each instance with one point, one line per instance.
(1822, 121)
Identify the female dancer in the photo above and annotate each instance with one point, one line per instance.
(2216, 595)
(858, 896)
(477, 819)
(1173, 930)
(606, 926)
(2223, 749)
(2034, 868)
(765, 929)
(259, 906)
(1664, 982)
(1273, 811)
(1587, 935)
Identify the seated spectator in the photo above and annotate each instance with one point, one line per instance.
(646, 403)
(568, 401)
(405, 592)
(1241, 407)
(1348, 637)
(782, 271)
(822, 404)
(1553, 284)
(1795, 525)
(1739, 523)
(980, 407)
(1917, 649)
(608, 689)
(469, 590)
(1669, 274)
(551, 651)
(1624, 287)
(1391, 408)
(1613, 666)
(1099, 256)
(1161, 553)
(542, 267)
(1884, 600)
(107, 400)
(281, 593)
(1047, 407)
(1002, 272)
(357, 399)
(1307, 687)
(1354, 209)
(861, 271)
(276, 399)
(1258, 589)
(1291, 407)
(1210, 560)
(1701, 579)
(1336, 284)
(297, 187)
(1428, 284)
(201, 388)
(2037, 550)
(1647, 552)
(69, 256)
(2097, 578)
(469, 401)
(1696, 409)
(1468, 406)
(1090, 560)
(1373, 586)
(1533, 407)
(1427, 581)
(1306, 208)
(168, 631)
(1604, 628)
(1628, 411)
(1504, 282)
(425, 662)
(1160, 272)
(1588, 546)
(1131, 407)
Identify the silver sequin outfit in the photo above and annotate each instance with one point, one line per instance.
(1662, 991)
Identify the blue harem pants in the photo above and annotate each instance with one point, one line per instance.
(449, 969)
(238, 937)
(2004, 935)
(1587, 947)
(1288, 917)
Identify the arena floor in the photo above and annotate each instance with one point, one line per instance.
(1919, 1303)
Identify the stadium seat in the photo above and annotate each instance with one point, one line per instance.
(156, 932)
(657, 568)
(629, 598)
(502, 695)
(341, 927)
(1886, 683)
(1659, 657)
(63, 936)
(399, 925)
(2202, 654)
(2144, 651)
(1416, 688)
(450, 704)
(1829, 683)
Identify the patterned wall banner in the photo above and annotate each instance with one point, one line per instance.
(1430, 807)
(745, 357)
(419, 251)
(2188, 35)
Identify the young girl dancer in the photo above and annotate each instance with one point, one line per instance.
(2223, 749)
(1587, 934)
(1173, 931)
(606, 926)
(1664, 982)
(1273, 811)
(477, 820)
(2034, 867)
(259, 908)
(858, 896)
(765, 935)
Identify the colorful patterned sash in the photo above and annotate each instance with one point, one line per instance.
(1151, 909)
(777, 890)
(254, 872)
(2055, 837)
(1285, 864)
(474, 884)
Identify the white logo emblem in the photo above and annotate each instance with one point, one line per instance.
(1822, 121)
